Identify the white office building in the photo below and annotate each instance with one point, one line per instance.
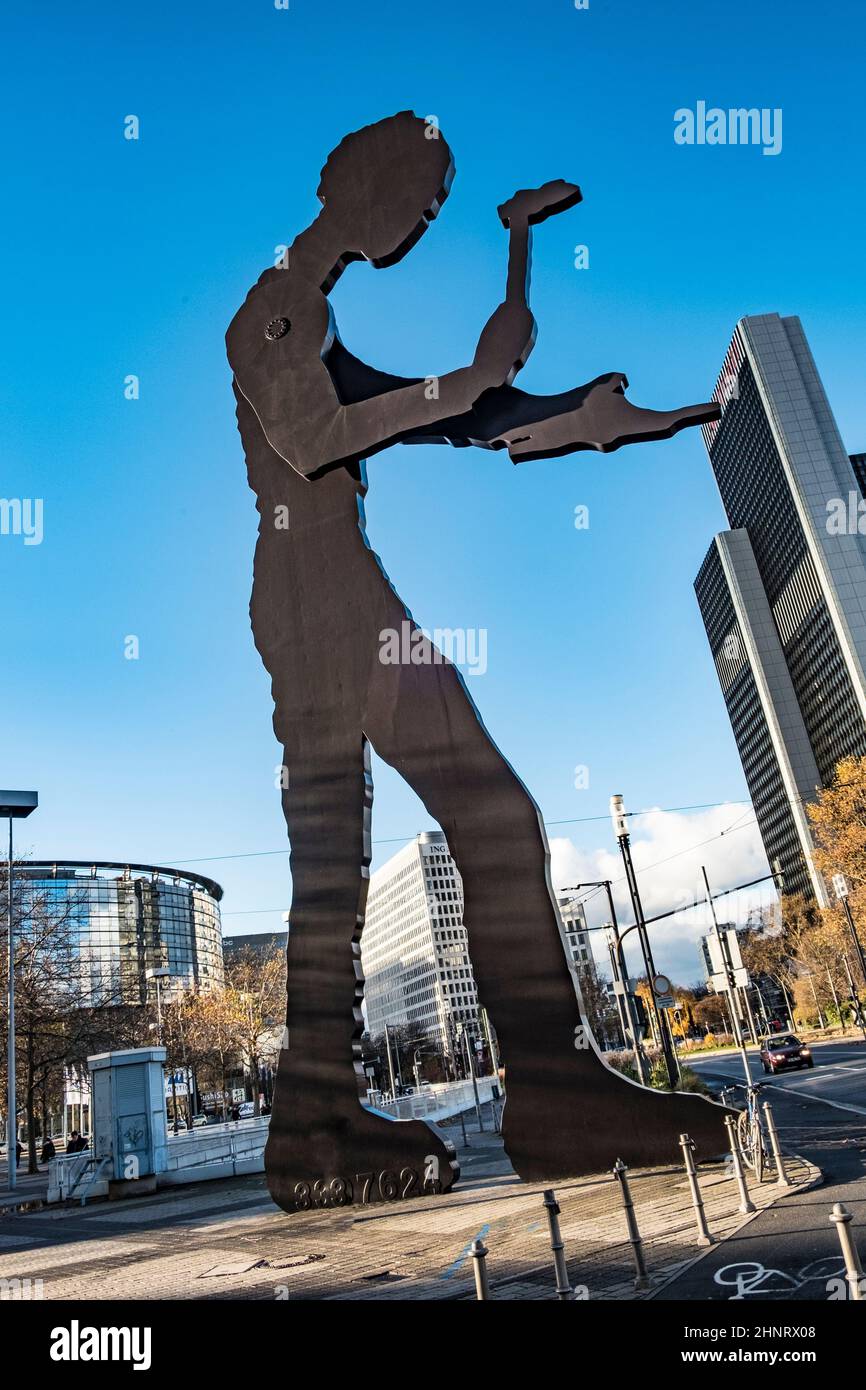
(576, 934)
(414, 951)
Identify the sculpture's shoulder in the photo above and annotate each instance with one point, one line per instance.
(284, 319)
(276, 344)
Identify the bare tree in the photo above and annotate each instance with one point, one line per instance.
(58, 996)
(255, 994)
(214, 1037)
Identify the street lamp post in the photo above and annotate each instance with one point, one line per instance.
(491, 1047)
(620, 974)
(391, 1065)
(855, 998)
(16, 806)
(159, 975)
(416, 1067)
(840, 888)
(763, 1004)
(729, 981)
(463, 1034)
(620, 830)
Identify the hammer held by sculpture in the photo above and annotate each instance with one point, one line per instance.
(309, 413)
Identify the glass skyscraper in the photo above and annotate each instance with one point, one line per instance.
(126, 920)
(783, 593)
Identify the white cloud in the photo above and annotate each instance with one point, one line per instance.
(668, 849)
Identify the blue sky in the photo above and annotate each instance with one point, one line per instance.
(131, 257)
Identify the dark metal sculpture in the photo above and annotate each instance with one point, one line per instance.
(309, 413)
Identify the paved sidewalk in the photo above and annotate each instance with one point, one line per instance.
(228, 1241)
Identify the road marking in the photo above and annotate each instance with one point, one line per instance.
(822, 1100)
(457, 1264)
(818, 1072)
(751, 1277)
(803, 1094)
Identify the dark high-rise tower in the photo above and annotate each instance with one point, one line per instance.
(783, 593)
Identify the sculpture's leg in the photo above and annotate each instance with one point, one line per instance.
(566, 1111)
(323, 1148)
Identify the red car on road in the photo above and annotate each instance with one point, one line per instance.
(785, 1050)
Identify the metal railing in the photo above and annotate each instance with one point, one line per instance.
(225, 1144)
(72, 1170)
(439, 1102)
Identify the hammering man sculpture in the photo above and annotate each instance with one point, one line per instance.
(309, 413)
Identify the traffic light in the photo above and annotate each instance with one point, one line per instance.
(640, 1012)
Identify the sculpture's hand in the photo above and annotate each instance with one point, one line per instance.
(534, 205)
(505, 343)
(518, 214)
(599, 416)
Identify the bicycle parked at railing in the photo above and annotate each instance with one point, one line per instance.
(750, 1129)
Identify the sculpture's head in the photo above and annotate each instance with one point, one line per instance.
(384, 184)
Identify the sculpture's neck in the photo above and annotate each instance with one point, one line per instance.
(318, 254)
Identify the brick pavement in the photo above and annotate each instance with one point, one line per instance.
(228, 1241)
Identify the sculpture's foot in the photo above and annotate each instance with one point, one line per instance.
(317, 1157)
(551, 1133)
(600, 418)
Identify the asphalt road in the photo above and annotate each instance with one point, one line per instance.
(792, 1250)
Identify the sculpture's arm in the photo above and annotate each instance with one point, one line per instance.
(317, 427)
(494, 411)
(519, 214)
(377, 410)
(511, 325)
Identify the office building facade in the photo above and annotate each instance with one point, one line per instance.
(575, 934)
(414, 948)
(783, 592)
(125, 921)
(262, 945)
(858, 463)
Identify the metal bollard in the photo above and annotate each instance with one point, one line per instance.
(563, 1287)
(841, 1217)
(641, 1278)
(746, 1203)
(688, 1148)
(781, 1175)
(479, 1260)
